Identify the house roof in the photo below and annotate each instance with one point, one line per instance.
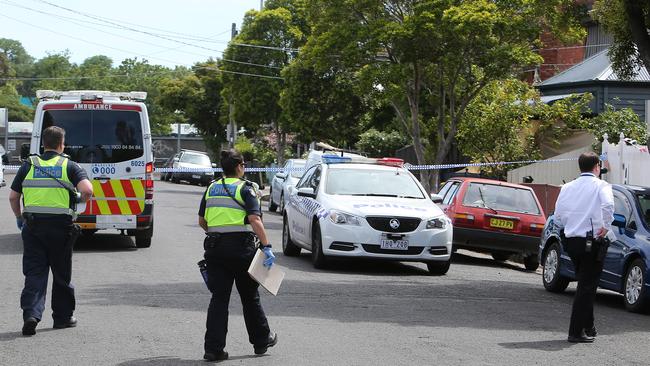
(596, 68)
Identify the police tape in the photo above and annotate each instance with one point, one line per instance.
(406, 166)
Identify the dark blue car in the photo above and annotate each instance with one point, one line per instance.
(628, 258)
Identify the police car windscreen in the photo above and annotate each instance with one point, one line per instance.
(99, 136)
(365, 182)
(298, 169)
(500, 198)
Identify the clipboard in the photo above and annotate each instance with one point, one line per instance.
(269, 278)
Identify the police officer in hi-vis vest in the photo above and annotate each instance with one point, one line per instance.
(230, 214)
(47, 185)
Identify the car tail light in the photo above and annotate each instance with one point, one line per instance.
(145, 218)
(148, 168)
(536, 228)
(463, 218)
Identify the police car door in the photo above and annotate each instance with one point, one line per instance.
(107, 140)
(297, 210)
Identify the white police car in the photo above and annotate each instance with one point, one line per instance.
(370, 208)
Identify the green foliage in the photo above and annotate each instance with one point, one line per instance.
(612, 122)
(508, 122)
(255, 152)
(380, 143)
(17, 111)
(628, 22)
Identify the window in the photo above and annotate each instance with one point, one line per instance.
(305, 179)
(644, 203)
(314, 181)
(99, 136)
(500, 197)
(197, 159)
(445, 188)
(371, 182)
(622, 207)
(298, 167)
(451, 193)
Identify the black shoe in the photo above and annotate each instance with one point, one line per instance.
(215, 356)
(70, 323)
(591, 332)
(273, 339)
(582, 338)
(29, 327)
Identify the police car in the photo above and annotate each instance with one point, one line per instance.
(356, 207)
(108, 134)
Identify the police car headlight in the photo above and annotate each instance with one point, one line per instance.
(343, 218)
(437, 223)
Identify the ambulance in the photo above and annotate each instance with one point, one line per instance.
(108, 134)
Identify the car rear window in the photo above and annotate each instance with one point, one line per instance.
(99, 136)
(502, 198)
(299, 169)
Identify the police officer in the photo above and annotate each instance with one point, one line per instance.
(230, 214)
(585, 209)
(47, 185)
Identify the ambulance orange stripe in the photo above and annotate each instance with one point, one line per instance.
(112, 204)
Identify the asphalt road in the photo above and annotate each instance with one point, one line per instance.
(147, 307)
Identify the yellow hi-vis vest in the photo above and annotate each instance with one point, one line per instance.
(222, 213)
(41, 192)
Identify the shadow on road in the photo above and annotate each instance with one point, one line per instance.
(470, 259)
(104, 243)
(169, 361)
(11, 244)
(551, 345)
(10, 336)
(354, 266)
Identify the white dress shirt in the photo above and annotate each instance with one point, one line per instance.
(584, 201)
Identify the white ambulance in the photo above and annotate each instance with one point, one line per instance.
(108, 134)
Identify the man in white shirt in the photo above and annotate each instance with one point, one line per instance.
(585, 209)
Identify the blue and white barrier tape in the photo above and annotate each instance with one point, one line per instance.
(10, 168)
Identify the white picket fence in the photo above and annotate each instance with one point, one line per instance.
(629, 163)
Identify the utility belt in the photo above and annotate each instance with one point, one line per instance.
(213, 240)
(597, 246)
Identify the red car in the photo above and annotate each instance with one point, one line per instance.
(495, 217)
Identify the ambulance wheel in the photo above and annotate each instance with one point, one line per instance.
(88, 232)
(143, 238)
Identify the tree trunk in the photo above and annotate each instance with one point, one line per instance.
(639, 30)
(280, 142)
(414, 108)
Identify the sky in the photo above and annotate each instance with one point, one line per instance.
(165, 32)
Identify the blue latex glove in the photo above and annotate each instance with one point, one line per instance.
(603, 157)
(270, 258)
(20, 223)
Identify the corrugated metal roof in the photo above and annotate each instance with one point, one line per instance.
(598, 67)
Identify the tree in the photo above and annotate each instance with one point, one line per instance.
(429, 59)
(321, 106)
(508, 122)
(628, 21)
(380, 143)
(197, 96)
(56, 72)
(95, 73)
(15, 61)
(256, 98)
(9, 99)
(612, 122)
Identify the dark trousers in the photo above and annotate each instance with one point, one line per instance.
(46, 246)
(588, 271)
(228, 261)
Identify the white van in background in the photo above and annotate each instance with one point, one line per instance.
(108, 134)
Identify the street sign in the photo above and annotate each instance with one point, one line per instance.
(11, 145)
(4, 117)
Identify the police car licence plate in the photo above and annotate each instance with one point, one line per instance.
(394, 244)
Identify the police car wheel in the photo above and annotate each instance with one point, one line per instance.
(282, 202)
(551, 277)
(272, 206)
(635, 293)
(317, 257)
(438, 268)
(531, 262)
(288, 247)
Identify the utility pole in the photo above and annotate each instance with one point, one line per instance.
(261, 5)
(232, 126)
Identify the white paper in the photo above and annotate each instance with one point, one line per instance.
(269, 278)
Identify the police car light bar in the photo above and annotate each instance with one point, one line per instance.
(91, 94)
(335, 159)
(391, 162)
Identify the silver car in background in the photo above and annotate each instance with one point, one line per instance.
(290, 175)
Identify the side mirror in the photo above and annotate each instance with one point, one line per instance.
(281, 175)
(619, 221)
(24, 151)
(436, 198)
(306, 192)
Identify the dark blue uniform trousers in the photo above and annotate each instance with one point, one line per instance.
(228, 261)
(46, 246)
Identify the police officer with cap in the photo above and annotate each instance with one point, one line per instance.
(47, 186)
(230, 214)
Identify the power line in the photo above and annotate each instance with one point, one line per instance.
(129, 52)
(140, 41)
